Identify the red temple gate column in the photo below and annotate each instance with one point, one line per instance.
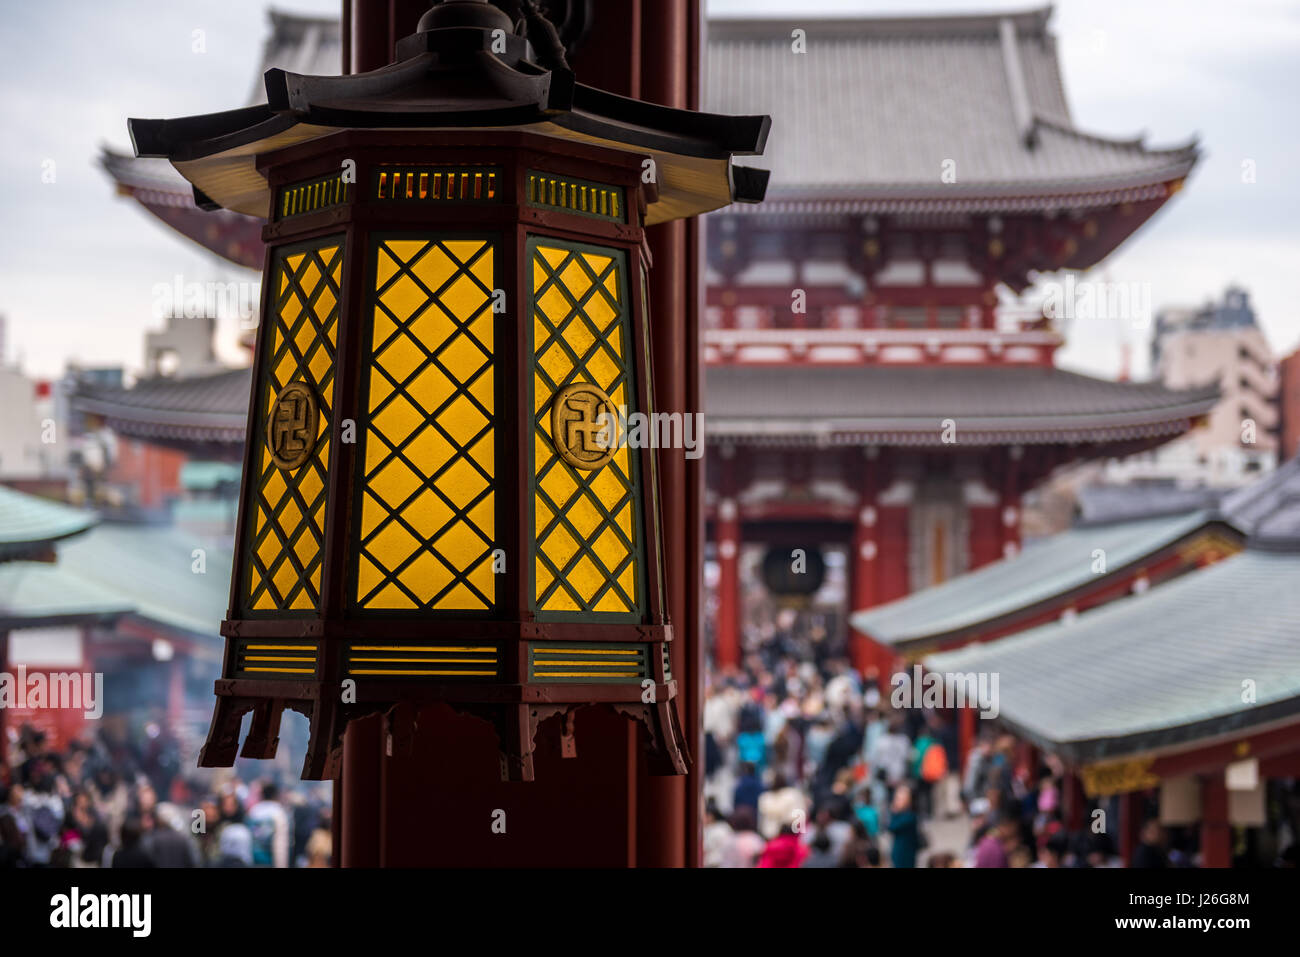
(1216, 832)
(1073, 800)
(863, 592)
(966, 718)
(1009, 503)
(984, 517)
(893, 540)
(727, 624)
(667, 38)
(893, 554)
(4, 668)
(1131, 810)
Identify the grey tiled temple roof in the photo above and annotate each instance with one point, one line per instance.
(302, 44)
(151, 570)
(906, 405)
(299, 44)
(144, 571)
(209, 408)
(875, 106)
(1130, 523)
(33, 594)
(1121, 502)
(1269, 509)
(989, 404)
(1161, 669)
(1050, 568)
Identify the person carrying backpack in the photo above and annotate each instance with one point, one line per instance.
(929, 767)
(269, 825)
(44, 809)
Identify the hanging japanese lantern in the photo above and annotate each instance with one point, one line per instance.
(793, 575)
(453, 302)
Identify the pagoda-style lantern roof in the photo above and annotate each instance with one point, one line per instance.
(452, 78)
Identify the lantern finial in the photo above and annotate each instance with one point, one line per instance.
(465, 13)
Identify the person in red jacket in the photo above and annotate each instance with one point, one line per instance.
(784, 850)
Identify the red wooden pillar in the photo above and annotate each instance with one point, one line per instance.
(984, 518)
(727, 623)
(1216, 832)
(362, 797)
(668, 42)
(966, 718)
(1009, 503)
(862, 589)
(1131, 809)
(623, 815)
(1074, 800)
(1025, 759)
(4, 668)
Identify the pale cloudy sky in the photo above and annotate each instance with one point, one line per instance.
(78, 265)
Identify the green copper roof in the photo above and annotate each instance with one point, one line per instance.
(152, 569)
(27, 522)
(1161, 669)
(38, 593)
(1044, 569)
(208, 476)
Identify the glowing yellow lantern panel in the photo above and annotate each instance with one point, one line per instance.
(427, 518)
(587, 554)
(288, 511)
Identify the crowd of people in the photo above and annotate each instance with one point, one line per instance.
(808, 764)
(100, 802)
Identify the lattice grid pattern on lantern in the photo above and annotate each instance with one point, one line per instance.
(284, 559)
(587, 543)
(427, 522)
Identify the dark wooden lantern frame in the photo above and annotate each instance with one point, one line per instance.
(512, 703)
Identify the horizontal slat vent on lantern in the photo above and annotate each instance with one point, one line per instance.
(269, 658)
(607, 661)
(437, 660)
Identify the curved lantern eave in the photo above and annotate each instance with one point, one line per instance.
(216, 152)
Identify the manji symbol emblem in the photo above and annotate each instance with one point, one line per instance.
(577, 426)
(291, 432)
